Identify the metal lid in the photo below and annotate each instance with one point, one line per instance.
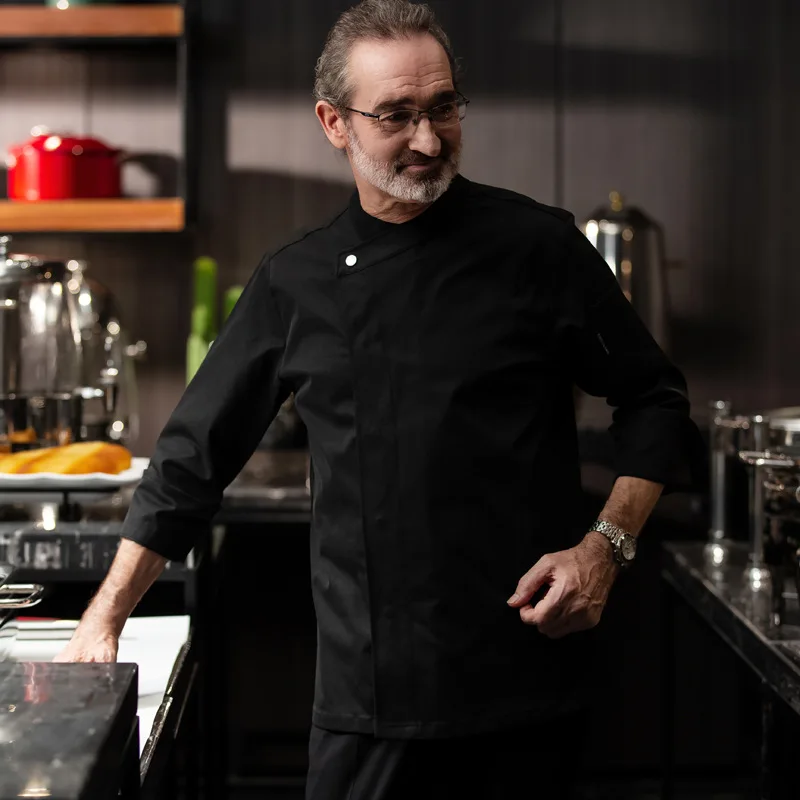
(617, 215)
(16, 265)
(784, 419)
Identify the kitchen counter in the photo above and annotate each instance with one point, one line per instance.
(248, 502)
(745, 620)
(153, 644)
(742, 619)
(67, 730)
(272, 487)
(155, 649)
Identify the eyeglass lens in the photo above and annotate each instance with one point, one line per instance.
(442, 116)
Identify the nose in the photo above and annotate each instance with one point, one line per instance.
(424, 139)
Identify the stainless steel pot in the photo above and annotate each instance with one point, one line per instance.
(768, 445)
(66, 367)
(775, 526)
(40, 352)
(784, 427)
(776, 431)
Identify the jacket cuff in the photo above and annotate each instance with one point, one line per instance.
(169, 542)
(662, 446)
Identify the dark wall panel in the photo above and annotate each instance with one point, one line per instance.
(683, 109)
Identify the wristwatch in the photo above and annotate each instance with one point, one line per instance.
(623, 543)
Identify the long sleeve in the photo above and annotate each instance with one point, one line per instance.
(215, 428)
(610, 353)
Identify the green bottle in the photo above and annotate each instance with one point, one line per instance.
(203, 327)
(205, 294)
(229, 300)
(196, 345)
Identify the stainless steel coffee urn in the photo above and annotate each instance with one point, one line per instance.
(109, 402)
(632, 244)
(66, 369)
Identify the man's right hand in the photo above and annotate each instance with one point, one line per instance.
(131, 574)
(90, 644)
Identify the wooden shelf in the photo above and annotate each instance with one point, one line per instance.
(55, 216)
(91, 22)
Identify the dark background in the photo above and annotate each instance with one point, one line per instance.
(687, 108)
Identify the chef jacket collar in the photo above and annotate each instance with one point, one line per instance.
(369, 227)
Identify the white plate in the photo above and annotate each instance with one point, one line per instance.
(91, 480)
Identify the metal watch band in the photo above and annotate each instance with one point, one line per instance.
(614, 534)
(608, 529)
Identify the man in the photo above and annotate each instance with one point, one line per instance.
(432, 334)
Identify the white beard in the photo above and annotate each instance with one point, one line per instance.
(401, 185)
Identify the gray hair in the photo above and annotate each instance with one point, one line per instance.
(381, 20)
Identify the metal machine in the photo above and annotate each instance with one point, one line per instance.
(768, 445)
(66, 368)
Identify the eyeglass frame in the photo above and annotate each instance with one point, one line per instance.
(419, 113)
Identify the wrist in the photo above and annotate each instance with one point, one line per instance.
(622, 543)
(101, 619)
(98, 630)
(599, 546)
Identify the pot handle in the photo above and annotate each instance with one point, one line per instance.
(10, 595)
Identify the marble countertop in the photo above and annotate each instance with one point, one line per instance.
(151, 643)
(742, 617)
(62, 726)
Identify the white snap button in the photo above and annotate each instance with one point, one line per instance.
(351, 261)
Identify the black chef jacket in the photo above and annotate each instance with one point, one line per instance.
(433, 364)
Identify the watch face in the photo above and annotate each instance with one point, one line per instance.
(628, 548)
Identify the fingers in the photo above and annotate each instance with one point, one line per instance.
(560, 616)
(72, 657)
(88, 654)
(548, 611)
(84, 658)
(536, 577)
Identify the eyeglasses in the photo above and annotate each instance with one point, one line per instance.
(442, 116)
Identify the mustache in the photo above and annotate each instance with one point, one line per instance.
(415, 160)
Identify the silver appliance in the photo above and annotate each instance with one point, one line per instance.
(728, 435)
(632, 244)
(109, 400)
(66, 368)
(40, 352)
(768, 445)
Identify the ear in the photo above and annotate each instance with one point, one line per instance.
(332, 123)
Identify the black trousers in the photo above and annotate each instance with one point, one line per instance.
(539, 762)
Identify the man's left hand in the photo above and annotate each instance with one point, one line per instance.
(578, 581)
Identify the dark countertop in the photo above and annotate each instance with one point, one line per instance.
(743, 619)
(272, 487)
(246, 502)
(64, 728)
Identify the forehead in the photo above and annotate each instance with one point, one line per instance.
(415, 68)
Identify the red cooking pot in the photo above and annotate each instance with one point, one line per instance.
(53, 166)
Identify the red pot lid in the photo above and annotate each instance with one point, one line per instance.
(67, 143)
